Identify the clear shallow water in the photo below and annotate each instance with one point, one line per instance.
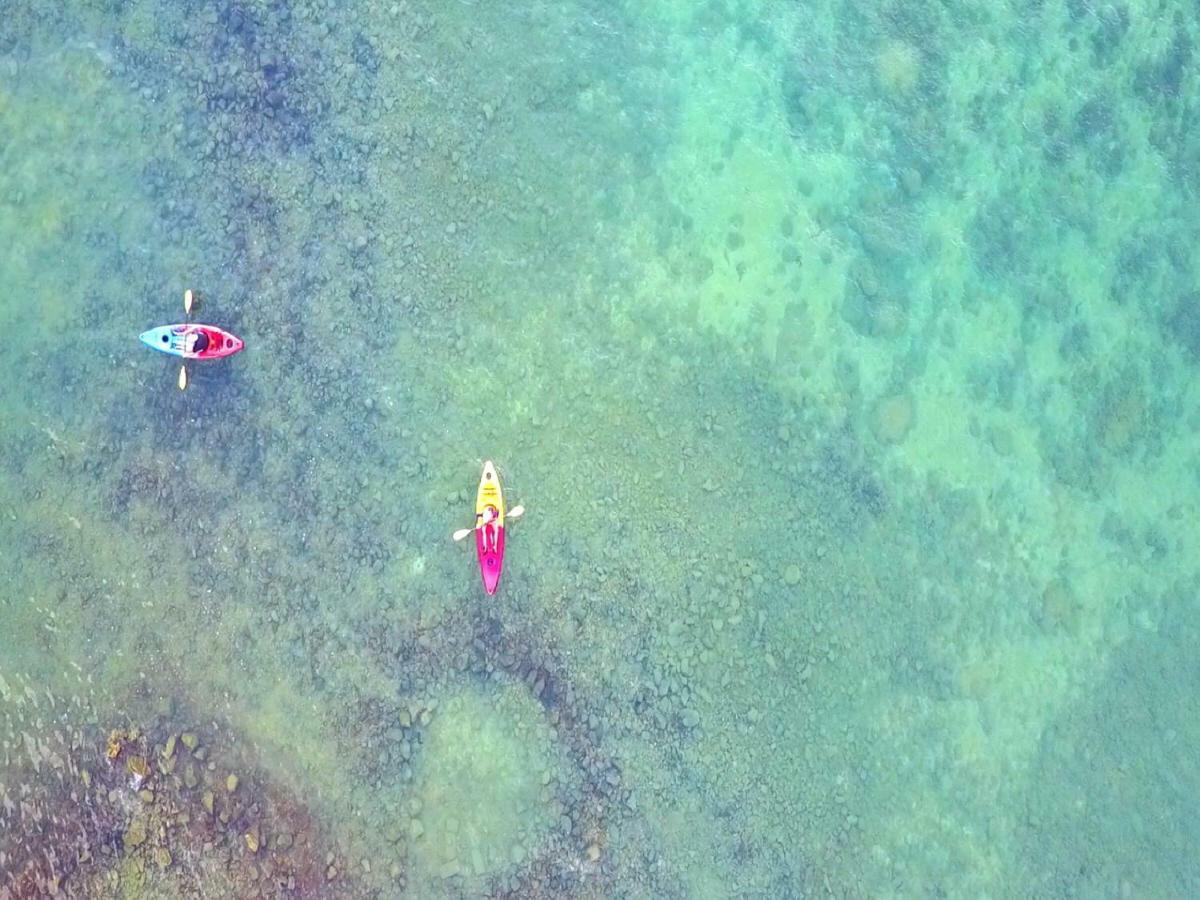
(844, 359)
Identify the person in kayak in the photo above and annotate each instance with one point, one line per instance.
(197, 342)
(489, 515)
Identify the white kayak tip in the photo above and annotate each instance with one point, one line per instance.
(182, 377)
(188, 299)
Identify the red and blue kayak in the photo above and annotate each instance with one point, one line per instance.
(489, 527)
(193, 341)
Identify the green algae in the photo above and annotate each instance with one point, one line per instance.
(67, 176)
(480, 779)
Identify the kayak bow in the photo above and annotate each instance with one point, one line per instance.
(172, 339)
(489, 533)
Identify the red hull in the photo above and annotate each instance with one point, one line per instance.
(489, 544)
(220, 343)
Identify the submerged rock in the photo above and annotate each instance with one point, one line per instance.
(893, 418)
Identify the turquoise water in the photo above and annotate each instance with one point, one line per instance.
(844, 358)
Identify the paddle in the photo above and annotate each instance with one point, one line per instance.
(188, 299)
(515, 513)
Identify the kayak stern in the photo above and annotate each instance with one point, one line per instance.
(489, 544)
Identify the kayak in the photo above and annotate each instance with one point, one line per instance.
(173, 339)
(489, 536)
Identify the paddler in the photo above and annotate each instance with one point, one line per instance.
(196, 342)
(484, 520)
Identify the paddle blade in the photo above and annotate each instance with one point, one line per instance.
(516, 512)
(462, 533)
(188, 298)
(182, 377)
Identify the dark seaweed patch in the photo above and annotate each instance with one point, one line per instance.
(1056, 146)
(1112, 24)
(255, 99)
(1183, 324)
(994, 237)
(1096, 128)
(238, 24)
(364, 53)
(1135, 261)
(1159, 80)
(811, 122)
(795, 102)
